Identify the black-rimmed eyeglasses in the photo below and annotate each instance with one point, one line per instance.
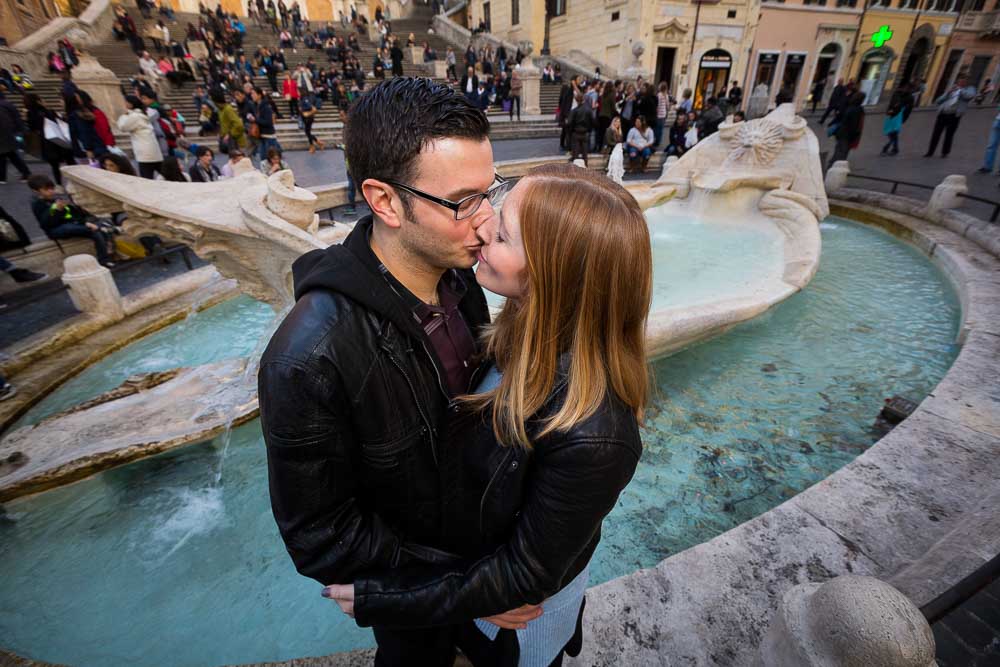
(466, 206)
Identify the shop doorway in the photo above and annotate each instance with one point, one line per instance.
(875, 68)
(792, 74)
(665, 67)
(767, 65)
(826, 68)
(916, 63)
(948, 73)
(713, 76)
(977, 68)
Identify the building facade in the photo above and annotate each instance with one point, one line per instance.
(313, 10)
(802, 47)
(974, 48)
(699, 45)
(20, 18)
(902, 41)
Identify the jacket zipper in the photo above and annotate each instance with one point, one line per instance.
(416, 399)
(493, 478)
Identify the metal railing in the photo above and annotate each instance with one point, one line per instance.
(895, 183)
(994, 215)
(989, 202)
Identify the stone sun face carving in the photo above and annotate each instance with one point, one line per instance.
(757, 142)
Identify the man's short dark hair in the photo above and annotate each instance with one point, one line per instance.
(388, 126)
(39, 181)
(202, 151)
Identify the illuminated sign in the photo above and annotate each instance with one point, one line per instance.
(882, 36)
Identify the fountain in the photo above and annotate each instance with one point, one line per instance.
(762, 178)
(735, 227)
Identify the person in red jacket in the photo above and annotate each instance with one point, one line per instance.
(101, 125)
(290, 89)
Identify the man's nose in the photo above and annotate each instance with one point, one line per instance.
(482, 225)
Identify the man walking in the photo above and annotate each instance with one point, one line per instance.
(991, 147)
(357, 382)
(838, 98)
(951, 106)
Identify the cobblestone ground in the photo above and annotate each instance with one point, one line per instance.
(969, 636)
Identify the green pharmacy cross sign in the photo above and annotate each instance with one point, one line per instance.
(882, 36)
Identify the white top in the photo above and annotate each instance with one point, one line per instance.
(639, 140)
(139, 128)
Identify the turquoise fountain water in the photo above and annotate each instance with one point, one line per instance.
(159, 563)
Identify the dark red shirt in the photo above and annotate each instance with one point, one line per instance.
(444, 325)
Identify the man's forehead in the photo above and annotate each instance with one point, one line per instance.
(461, 163)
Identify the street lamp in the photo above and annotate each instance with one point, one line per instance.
(545, 39)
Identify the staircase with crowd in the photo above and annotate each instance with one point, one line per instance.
(309, 47)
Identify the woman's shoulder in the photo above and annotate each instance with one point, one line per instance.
(612, 427)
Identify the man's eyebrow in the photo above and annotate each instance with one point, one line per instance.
(458, 194)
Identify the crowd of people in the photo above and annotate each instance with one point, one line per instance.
(598, 114)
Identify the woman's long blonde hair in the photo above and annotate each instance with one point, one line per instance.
(588, 283)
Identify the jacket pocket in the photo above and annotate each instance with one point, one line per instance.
(388, 455)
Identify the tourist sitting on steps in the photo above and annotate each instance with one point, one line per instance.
(61, 219)
(204, 170)
(273, 164)
(639, 145)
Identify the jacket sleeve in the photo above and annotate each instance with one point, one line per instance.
(572, 489)
(312, 478)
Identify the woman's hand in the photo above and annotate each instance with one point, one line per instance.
(515, 619)
(343, 595)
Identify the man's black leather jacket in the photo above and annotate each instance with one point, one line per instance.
(352, 404)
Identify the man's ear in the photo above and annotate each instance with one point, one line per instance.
(383, 201)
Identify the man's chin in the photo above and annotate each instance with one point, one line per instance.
(469, 260)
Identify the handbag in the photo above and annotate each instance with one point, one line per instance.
(8, 233)
(224, 145)
(57, 131)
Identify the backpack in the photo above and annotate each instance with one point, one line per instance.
(168, 133)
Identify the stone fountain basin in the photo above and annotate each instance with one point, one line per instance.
(147, 415)
(741, 203)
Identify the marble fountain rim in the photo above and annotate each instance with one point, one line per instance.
(955, 242)
(60, 367)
